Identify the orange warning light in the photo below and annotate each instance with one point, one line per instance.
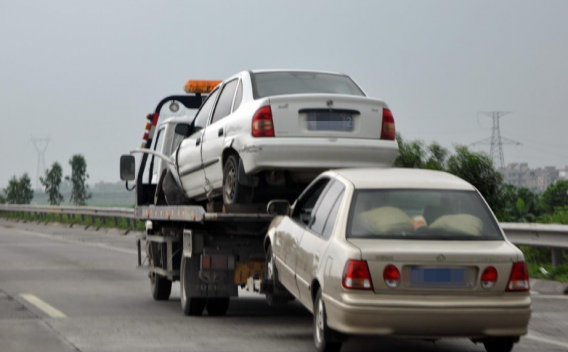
(200, 86)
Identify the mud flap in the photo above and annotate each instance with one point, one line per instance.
(244, 179)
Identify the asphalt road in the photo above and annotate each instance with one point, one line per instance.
(69, 289)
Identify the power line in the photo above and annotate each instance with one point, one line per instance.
(496, 141)
(40, 145)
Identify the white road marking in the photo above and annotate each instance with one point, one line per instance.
(545, 339)
(43, 306)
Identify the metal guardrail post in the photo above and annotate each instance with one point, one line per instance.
(557, 257)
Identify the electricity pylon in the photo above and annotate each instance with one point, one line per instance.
(40, 145)
(496, 141)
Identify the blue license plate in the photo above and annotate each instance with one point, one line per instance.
(437, 277)
(330, 121)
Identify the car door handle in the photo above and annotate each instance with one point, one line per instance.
(220, 134)
(198, 141)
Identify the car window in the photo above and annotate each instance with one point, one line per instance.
(325, 205)
(306, 203)
(330, 223)
(238, 96)
(421, 214)
(155, 162)
(203, 114)
(223, 107)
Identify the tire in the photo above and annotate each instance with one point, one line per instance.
(322, 333)
(191, 306)
(499, 345)
(233, 191)
(161, 287)
(276, 298)
(217, 307)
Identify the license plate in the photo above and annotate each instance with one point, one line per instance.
(438, 277)
(330, 121)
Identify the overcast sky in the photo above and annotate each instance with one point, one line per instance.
(87, 73)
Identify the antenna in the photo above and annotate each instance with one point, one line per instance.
(40, 145)
(496, 141)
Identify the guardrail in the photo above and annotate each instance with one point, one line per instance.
(536, 235)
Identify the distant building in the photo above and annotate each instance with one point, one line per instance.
(537, 180)
(563, 173)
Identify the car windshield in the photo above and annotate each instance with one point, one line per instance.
(421, 214)
(281, 83)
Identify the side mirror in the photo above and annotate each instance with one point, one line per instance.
(278, 207)
(183, 129)
(127, 168)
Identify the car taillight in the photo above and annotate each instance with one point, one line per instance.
(357, 276)
(489, 278)
(519, 280)
(262, 124)
(391, 275)
(388, 131)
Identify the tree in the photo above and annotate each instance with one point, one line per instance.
(2, 199)
(477, 169)
(555, 196)
(19, 191)
(437, 157)
(410, 155)
(52, 183)
(79, 176)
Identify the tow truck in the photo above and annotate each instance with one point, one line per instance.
(211, 251)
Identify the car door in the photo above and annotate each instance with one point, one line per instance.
(189, 162)
(289, 233)
(214, 135)
(313, 245)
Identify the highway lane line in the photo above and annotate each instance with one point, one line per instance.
(43, 306)
(545, 339)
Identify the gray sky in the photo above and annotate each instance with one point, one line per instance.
(87, 73)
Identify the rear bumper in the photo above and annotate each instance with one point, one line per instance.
(283, 153)
(422, 321)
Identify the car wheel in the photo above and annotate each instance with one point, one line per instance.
(161, 287)
(499, 345)
(217, 307)
(278, 296)
(322, 332)
(192, 306)
(233, 191)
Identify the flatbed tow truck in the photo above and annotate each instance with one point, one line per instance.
(211, 250)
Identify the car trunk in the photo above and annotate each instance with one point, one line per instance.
(326, 115)
(438, 267)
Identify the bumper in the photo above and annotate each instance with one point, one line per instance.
(260, 154)
(436, 321)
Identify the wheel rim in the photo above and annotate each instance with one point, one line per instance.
(230, 183)
(319, 322)
(270, 269)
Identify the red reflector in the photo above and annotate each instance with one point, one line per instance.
(262, 124)
(391, 275)
(356, 275)
(489, 278)
(388, 131)
(519, 279)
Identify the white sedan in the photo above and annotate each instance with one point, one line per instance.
(276, 131)
(398, 252)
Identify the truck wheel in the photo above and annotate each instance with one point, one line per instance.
(161, 287)
(217, 307)
(278, 296)
(499, 345)
(322, 332)
(192, 306)
(233, 191)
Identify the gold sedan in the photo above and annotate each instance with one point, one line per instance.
(398, 252)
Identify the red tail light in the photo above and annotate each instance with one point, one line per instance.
(356, 275)
(489, 278)
(262, 124)
(519, 280)
(391, 275)
(388, 131)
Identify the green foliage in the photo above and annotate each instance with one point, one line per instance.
(520, 205)
(79, 176)
(437, 157)
(2, 199)
(410, 155)
(19, 191)
(555, 196)
(559, 216)
(52, 183)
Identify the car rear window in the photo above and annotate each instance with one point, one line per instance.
(280, 83)
(421, 214)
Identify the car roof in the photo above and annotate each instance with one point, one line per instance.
(296, 70)
(403, 178)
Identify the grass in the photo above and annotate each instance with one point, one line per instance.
(540, 258)
(91, 221)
